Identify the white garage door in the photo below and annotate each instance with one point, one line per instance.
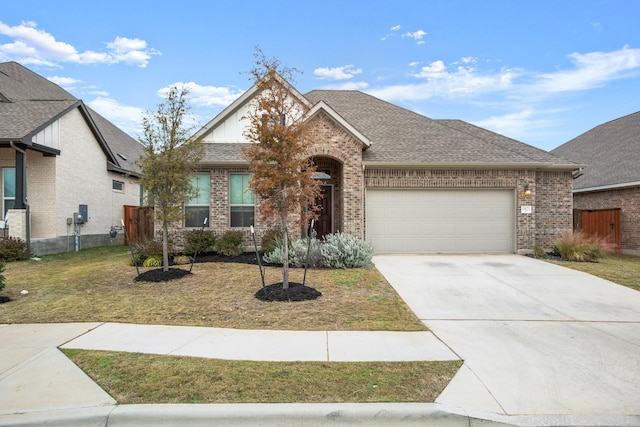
(440, 221)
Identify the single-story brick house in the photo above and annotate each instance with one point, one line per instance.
(606, 196)
(60, 159)
(403, 181)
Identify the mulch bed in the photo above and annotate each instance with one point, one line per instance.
(295, 292)
(157, 275)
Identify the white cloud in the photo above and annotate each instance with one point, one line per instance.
(416, 35)
(35, 46)
(393, 29)
(437, 80)
(205, 96)
(436, 69)
(344, 72)
(463, 79)
(127, 118)
(66, 82)
(590, 70)
(518, 124)
(347, 86)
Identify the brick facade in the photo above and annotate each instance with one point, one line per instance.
(625, 199)
(550, 197)
(338, 153)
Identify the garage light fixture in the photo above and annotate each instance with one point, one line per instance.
(527, 191)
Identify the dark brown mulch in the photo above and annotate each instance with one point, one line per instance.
(295, 292)
(158, 275)
(4, 299)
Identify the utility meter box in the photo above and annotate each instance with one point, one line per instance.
(83, 214)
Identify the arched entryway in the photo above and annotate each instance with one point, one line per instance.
(330, 201)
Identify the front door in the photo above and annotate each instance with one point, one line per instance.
(324, 224)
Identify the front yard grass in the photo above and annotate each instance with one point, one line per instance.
(621, 269)
(97, 285)
(143, 378)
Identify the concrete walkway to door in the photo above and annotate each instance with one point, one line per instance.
(537, 339)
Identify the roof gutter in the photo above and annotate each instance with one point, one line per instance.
(473, 165)
(608, 187)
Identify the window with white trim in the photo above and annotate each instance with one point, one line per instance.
(197, 208)
(241, 201)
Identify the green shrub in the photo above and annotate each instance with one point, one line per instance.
(203, 241)
(231, 243)
(139, 259)
(298, 254)
(578, 247)
(2, 267)
(271, 240)
(341, 250)
(13, 249)
(153, 261)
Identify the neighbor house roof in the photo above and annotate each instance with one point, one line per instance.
(611, 153)
(29, 103)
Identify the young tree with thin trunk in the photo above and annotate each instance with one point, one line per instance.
(282, 170)
(168, 161)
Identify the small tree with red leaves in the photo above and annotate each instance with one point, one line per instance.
(283, 173)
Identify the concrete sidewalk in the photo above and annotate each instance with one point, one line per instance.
(39, 385)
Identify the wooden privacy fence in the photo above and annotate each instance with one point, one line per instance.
(603, 224)
(139, 223)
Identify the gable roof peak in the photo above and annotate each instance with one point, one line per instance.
(246, 97)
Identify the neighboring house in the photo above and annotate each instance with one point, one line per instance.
(606, 196)
(404, 182)
(60, 159)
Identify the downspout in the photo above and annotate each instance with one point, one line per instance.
(24, 193)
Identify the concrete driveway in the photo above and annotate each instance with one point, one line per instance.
(536, 338)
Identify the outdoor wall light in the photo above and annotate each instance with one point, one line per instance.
(527, 191)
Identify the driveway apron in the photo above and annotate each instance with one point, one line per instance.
(536, 338)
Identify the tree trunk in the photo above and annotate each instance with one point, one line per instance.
(285, 252)
(165, 248)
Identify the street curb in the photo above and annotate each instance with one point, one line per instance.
(294, 414)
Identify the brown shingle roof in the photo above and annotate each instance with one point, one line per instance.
(29, 102)
(398, 135)
(611, 152)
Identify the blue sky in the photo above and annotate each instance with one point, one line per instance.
(542, 72)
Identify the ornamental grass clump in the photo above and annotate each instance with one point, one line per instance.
(576, 246)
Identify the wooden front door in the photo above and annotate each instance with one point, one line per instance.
(324, 224)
